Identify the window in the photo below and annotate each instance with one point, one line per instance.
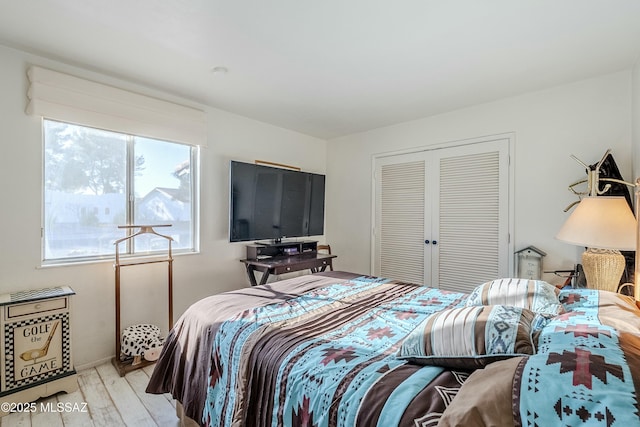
(95, 180)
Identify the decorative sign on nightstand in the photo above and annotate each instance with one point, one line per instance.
(36, 350)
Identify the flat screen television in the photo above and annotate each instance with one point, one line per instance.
(268, 203)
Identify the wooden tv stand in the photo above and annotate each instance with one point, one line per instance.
(280, 258)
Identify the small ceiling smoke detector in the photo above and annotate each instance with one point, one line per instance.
(219, 70)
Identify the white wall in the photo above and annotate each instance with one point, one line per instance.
(214, 270)
(584, 118)
(635, 118)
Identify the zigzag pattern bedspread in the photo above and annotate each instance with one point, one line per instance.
(327, 357)
(585, 372)
(314, 359)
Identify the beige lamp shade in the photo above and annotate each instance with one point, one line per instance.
(601, 222)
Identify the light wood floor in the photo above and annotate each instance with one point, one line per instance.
(110, 400)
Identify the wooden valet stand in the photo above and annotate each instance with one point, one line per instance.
(126, 366)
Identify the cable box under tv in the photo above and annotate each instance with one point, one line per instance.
(267, 250)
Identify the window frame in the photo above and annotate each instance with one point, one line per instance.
(128, 250)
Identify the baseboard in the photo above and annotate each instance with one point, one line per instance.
(93, 364)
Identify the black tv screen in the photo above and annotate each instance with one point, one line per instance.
(274, 203)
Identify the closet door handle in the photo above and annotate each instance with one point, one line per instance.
(434, 242)
(427, 242)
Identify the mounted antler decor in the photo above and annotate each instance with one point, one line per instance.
(605, 170)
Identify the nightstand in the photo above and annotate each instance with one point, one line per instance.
(36, 350)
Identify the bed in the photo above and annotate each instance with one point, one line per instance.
(337, 349)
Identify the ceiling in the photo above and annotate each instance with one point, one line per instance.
(329, 68)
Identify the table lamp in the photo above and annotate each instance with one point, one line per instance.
(605, 226)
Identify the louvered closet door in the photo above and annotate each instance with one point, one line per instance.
(399, 250)
(442, 215)
(470, 218)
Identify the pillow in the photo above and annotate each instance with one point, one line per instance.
(535, 295)
(470, 337)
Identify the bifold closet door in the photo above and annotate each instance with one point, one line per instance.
(471, 216)
(442, 215)
(399, 225)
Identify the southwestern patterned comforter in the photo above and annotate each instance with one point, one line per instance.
(322, 351)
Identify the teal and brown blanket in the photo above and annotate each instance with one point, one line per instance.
(321, 351)
(586, 370)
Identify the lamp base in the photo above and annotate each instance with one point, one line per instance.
(603, 268)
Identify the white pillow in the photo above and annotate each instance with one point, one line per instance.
(535, 295)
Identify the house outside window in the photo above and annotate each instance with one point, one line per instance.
(96, 180)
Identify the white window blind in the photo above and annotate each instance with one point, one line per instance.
(469, 220)
(402, 221)
(71, 99)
